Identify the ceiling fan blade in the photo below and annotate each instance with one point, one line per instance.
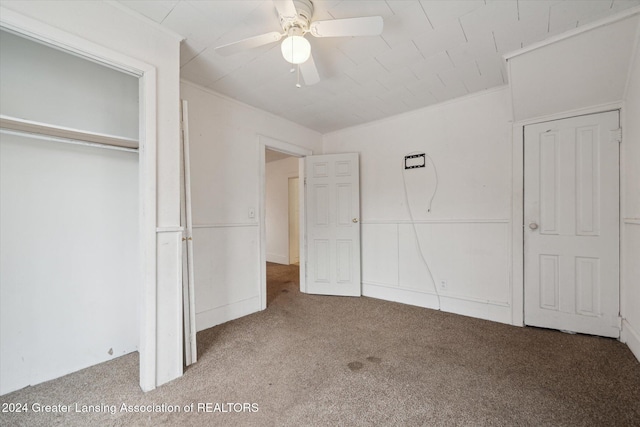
(250, 43)
(309, 72)
(286, 8)
(367, 26)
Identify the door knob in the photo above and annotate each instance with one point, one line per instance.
(354, 220)
(533, 226)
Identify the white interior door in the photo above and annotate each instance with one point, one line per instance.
(333, 224)
(188, 281)
(571, 228)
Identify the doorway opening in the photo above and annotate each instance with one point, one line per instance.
(281, 223)
(281, 260)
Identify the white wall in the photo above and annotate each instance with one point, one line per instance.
(585, 68)
(46, 85)
(277, 207)
(104, 29)
(630, 292)
(224, 187)
(69, 264)
(466, 236)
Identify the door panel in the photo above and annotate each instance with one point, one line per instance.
(333, 228)
(572, 225)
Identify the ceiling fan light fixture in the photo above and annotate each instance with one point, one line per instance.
(296, 49)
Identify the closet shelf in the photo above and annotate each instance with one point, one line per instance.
(32, 127)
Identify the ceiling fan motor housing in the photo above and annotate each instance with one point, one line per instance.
(302, 20)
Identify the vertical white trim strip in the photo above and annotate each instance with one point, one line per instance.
(148, 223)
(189, 224)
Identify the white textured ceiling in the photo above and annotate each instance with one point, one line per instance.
(429, 52)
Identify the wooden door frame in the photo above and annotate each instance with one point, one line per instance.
(289, 178)
(265, 142)
(517, 202)
(146, 73)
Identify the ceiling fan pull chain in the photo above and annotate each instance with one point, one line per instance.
(298, 82)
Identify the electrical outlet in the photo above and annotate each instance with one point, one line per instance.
(252, 213)
(443, 284)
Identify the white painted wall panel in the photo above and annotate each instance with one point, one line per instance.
(472, 258)
(413, 271)
(466, 236)
(380, 254)
(69, 275)
(223, 269)
(462, 138)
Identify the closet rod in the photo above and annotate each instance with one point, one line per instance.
(11, 125)
(65, 140)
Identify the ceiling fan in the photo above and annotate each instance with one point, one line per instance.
(295, 20)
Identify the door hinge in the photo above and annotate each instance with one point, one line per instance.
(616, 135)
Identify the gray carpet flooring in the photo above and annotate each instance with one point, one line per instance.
(327, 361)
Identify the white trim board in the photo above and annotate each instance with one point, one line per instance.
(226, 225)
(487, 310)
(278, 259)
(227, 312)
(631, 338)
(596, 109)
(438, 221)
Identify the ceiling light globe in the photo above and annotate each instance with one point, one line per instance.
(296, 49)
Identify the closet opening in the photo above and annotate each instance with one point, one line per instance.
(71, 238)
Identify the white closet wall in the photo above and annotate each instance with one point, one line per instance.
(46, 85)
(69, 222)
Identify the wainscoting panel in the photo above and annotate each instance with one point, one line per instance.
(226, 270)
(469, 262)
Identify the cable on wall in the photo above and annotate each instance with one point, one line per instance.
(411, 161)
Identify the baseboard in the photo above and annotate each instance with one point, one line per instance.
(482, 310)
(278, 259)
(630, 337)
(216, 316)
